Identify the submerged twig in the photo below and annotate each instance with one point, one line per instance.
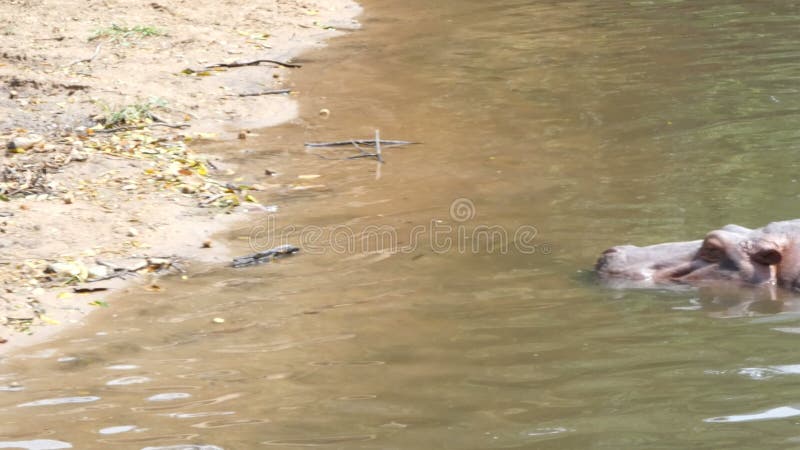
(360, 142)
(378, 146)
(378, 143)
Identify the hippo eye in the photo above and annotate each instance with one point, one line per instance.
(711, 251)
(768, 257)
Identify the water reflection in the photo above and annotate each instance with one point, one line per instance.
(780, 412)
(37, 444)
(59, 401)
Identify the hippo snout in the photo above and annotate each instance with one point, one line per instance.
(732, 254)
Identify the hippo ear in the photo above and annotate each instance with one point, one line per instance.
(768, 257)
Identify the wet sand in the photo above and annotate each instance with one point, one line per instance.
(65, 68)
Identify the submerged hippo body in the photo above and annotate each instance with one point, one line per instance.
(732, 254)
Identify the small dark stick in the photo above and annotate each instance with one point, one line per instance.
(271, 92)
(265, 256)
(89, 59)
(357, 141)
(253, 63)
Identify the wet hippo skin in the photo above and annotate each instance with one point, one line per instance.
(732, 254)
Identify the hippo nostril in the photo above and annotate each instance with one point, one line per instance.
(768, 257)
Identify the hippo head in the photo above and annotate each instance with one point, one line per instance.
(732, 254)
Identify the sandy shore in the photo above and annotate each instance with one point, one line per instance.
(103, 105)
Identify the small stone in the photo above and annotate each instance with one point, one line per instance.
(77, 155)
(132, 232)
(23, 143)
(13, 94)
(218, 320)
(69, 198)
(324, 112)
(97, 272)
(64, 269)
(186, 189)
(242, 135)
(207, 243)
(158, 263)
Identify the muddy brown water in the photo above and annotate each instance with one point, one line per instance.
(448, 303)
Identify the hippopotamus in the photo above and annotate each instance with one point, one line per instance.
(732, 255)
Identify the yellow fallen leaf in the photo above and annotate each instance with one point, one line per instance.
(64, 295)
(48, 320)
(250, 198)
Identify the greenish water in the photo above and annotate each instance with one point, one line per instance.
(592, 123)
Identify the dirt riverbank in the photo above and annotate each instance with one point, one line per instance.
(103, 107)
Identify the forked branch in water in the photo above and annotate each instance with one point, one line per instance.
(369, 142)
(378, 143)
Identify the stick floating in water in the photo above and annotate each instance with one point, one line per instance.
(265, 256)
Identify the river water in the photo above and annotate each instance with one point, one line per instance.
(445, 299)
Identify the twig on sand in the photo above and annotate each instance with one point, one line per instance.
(243, 64)
(117, 273)
(151, 263)
(210, 200)
(139, 127)
(255, 62)
(270, 92)
(89, 59)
